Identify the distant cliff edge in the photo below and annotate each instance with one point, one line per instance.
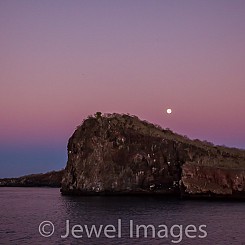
(115, 154)
(50, 179)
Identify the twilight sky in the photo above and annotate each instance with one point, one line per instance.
(63, 60)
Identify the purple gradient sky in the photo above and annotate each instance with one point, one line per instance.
(62, 60)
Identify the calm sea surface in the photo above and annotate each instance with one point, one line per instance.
(116, 220)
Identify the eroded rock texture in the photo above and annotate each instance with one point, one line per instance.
(209, 181)
(120, 154)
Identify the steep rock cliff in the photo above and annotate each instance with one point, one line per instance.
(207, 181)
(120, 154)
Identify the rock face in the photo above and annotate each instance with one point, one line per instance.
(206, 181)
(50, 179)
(120, 154)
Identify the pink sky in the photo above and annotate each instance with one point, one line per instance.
(63, 60)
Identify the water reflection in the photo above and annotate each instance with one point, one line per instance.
(23, 209)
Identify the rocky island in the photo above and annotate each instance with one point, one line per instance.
(50, 179)
(118, 154)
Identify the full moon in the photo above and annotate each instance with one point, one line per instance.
(169, 111)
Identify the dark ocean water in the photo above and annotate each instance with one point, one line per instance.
(23, 209)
